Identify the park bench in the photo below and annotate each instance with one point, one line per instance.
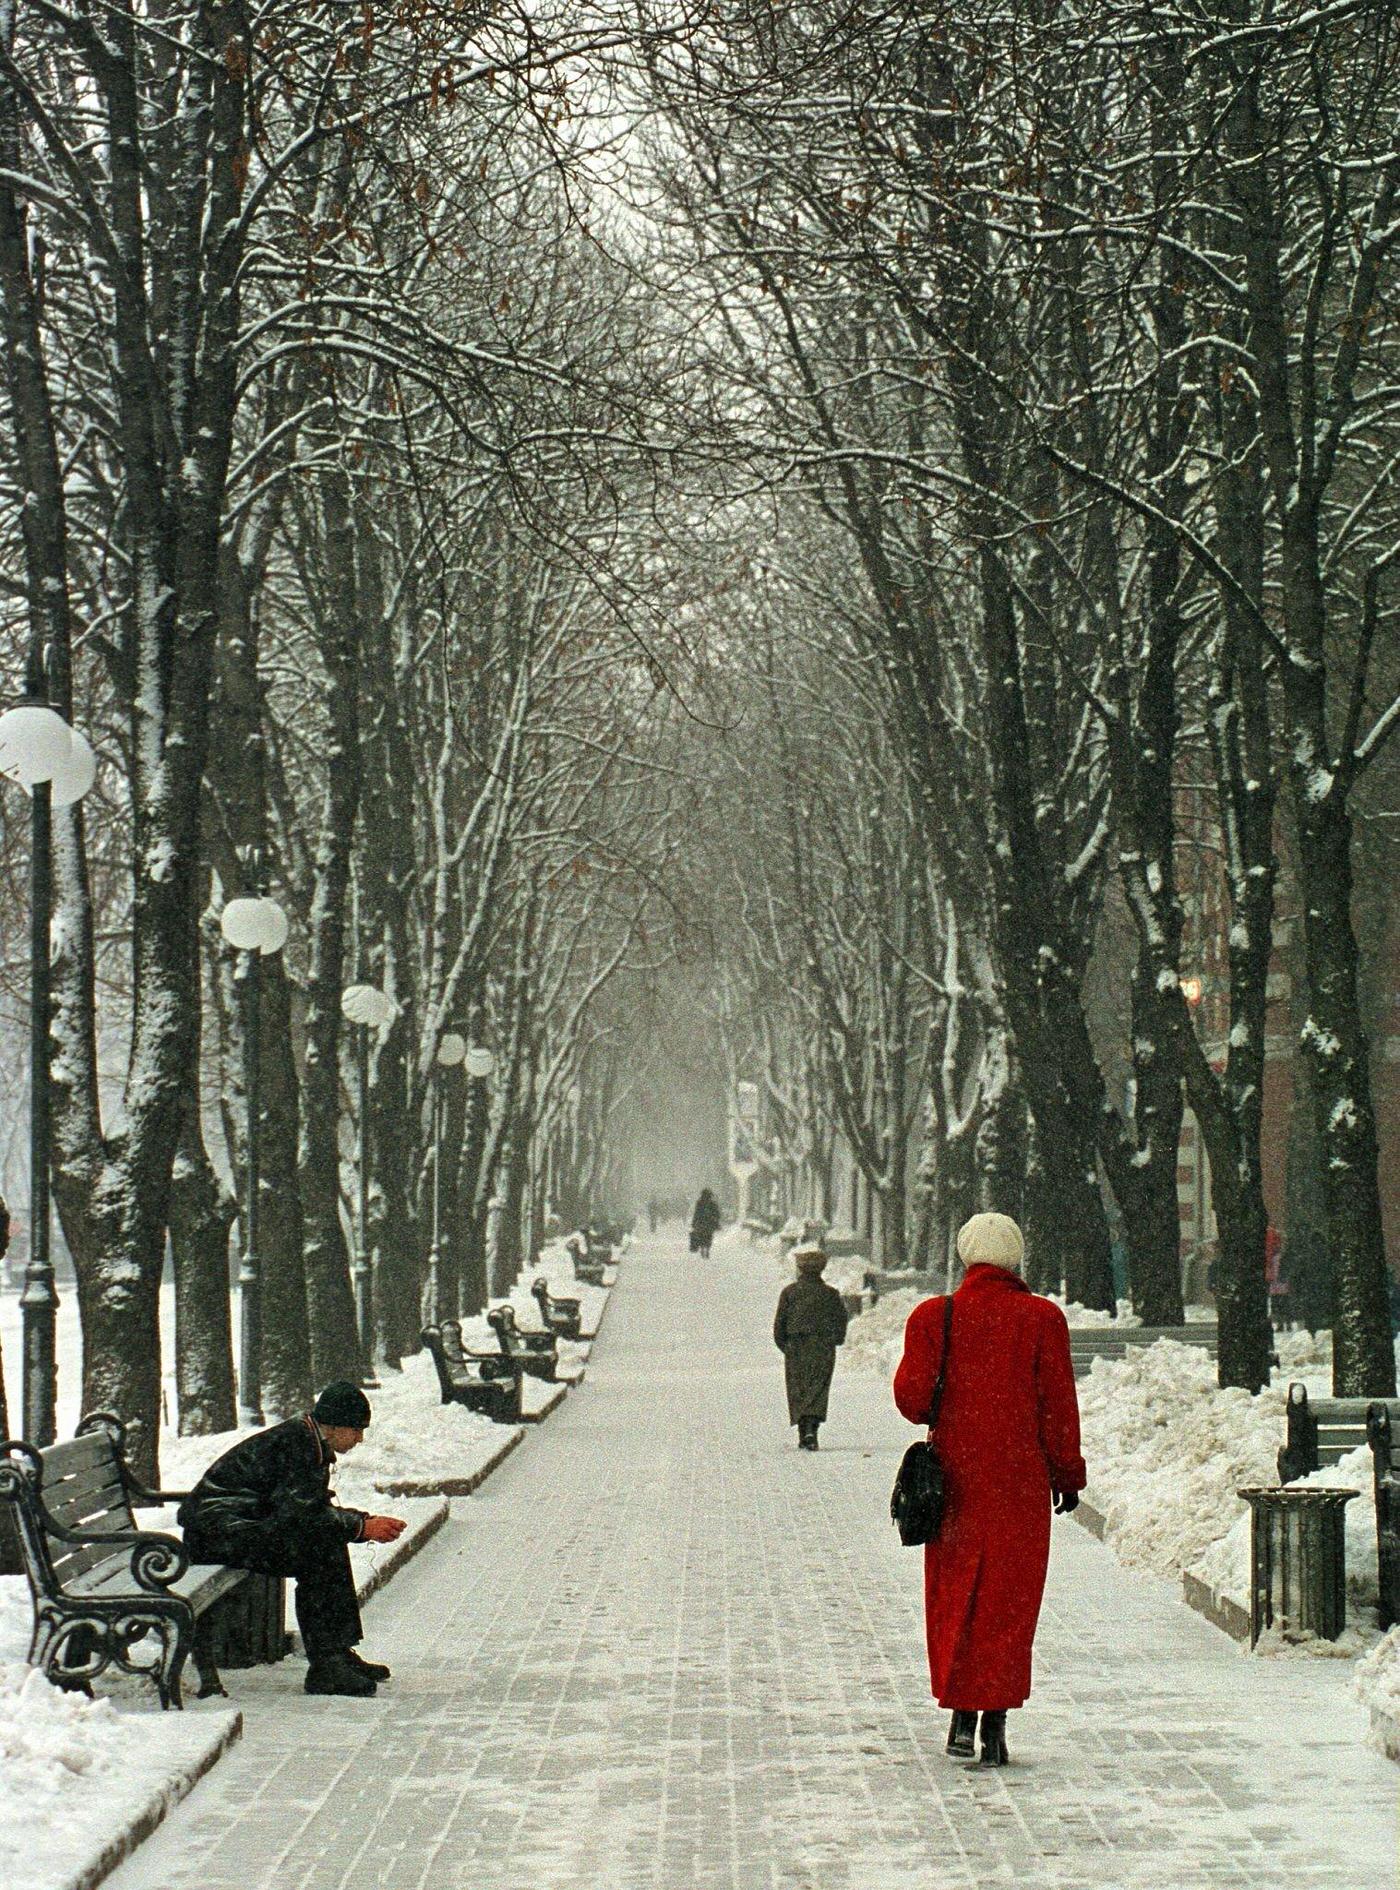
(1086, 1343)
(481, 1381)
(109, 1594)
(879, 1281)
(561, 1316)
(1320, 1431)
(588, 1260)
(534, 1352)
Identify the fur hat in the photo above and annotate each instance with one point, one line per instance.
(342, 1404)
(809, 1256)
(991, 1240)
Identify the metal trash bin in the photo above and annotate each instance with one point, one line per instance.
(1298, 1560)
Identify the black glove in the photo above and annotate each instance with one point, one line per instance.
(1065, 1501)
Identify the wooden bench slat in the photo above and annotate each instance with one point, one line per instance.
(200, 1585)
(78, 1454)
(71, 1507)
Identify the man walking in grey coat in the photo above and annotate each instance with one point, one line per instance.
(810, 1324)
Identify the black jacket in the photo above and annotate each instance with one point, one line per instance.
(279, 1477)
(704, 1222)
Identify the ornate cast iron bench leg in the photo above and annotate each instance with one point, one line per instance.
(211, 1686)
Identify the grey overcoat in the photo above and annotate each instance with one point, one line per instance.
(810, 1324)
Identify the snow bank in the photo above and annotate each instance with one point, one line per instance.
(80, 1776)
(875, 1339)
(1078, 1315)
(1376, 1683)
(413, 1435)
(1167, 1450)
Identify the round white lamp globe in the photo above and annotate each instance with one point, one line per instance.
(452, 1049)
(243, 924)
(35, 741)
(480, 1060)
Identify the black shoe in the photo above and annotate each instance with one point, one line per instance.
(962, 1732)
(374, 1668)
(337, 1674)
(994, 1739)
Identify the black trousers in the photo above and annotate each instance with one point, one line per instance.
(318, 1561)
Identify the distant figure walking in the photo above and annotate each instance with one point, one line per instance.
(704, 1223)
(809, 1325)
(653, 1213)
(1008, 1438)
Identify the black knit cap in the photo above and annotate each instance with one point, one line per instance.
(342, 1403)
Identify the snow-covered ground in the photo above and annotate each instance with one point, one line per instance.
(80, 1776)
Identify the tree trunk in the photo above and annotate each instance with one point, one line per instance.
(201, 1214)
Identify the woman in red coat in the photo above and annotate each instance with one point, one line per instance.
(1008, 1438)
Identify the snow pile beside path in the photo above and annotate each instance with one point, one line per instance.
(737, 1241)
(413, 1436)
(1078, 1315)
(1307, 1356)
(875, 1340)
(1167, 1449)
(79, 1776)
(49, 1740)
(1376, 1684)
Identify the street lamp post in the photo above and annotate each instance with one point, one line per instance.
(451, 1051)
(367, 1008)
(256, 927)
(56, 766)
(480, 1063)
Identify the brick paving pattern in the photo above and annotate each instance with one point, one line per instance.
(661, 1648)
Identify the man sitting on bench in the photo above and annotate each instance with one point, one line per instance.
(266, 1505)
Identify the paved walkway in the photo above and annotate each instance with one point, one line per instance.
(660, 1648)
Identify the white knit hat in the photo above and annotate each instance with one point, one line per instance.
(809, 1255)
(991, 1240)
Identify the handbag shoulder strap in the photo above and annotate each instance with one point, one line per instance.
(937, 1403)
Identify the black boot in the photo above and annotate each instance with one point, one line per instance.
(375, 1669)
(962, 1731)
(994, 1738)
(338, 1674)
(806, 1434)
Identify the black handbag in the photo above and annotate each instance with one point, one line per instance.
(920, 1492)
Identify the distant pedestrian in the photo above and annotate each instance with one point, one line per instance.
(266, 1505)
(1008, 1438)
(810, 1324)
(704, 1223)
(653, 1213)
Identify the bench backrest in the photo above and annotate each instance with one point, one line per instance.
(1096, 1338)
(453, 1351)
(80, 1486)
(432, 1338)
(549, 1305)
(1382, 1432)
(1323, 1430)
(501, 1320)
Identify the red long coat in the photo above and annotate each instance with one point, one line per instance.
(1008, 1434)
